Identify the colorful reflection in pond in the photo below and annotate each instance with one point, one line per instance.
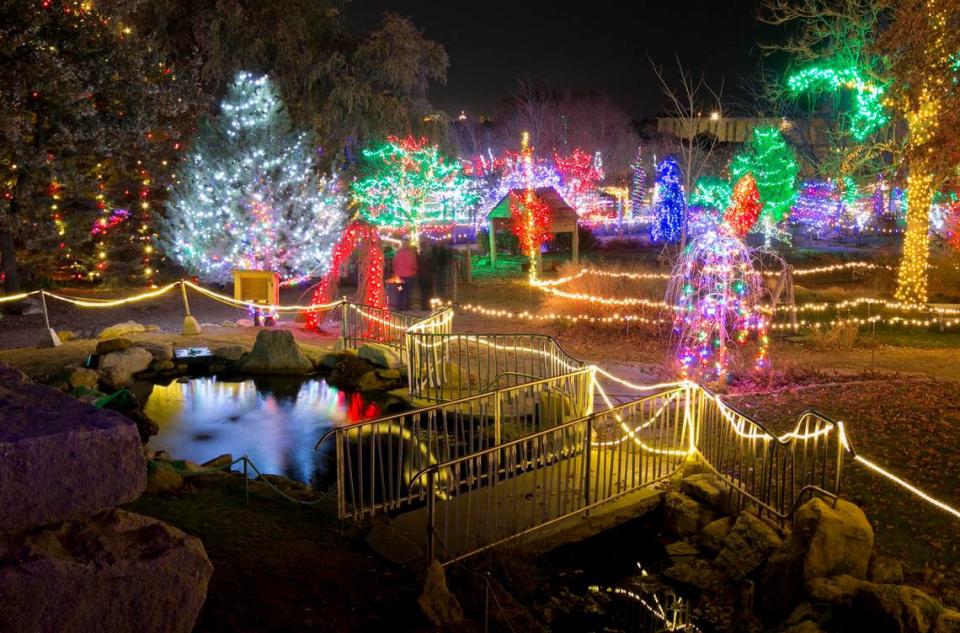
(275, 421)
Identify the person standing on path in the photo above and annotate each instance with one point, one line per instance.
(405, 267)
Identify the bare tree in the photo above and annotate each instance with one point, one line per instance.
(688, 98)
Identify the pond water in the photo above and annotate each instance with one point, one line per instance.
(275, 421)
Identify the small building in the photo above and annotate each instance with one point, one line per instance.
(563, 219)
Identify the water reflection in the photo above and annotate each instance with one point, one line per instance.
(275, 421)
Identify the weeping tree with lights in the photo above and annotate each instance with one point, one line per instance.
(408, 184)
(669, 203)
(248, 195)
(717, 296)
(773, 167)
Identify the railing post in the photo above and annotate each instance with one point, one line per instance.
(246, 482)
(497, 420)
(341, 474)
(344, 312)
(586, 461)
(431, 514)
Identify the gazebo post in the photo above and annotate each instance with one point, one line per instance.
(575, 242)
(493, 243)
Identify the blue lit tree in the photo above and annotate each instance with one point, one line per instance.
(248, 195)
(669, 203)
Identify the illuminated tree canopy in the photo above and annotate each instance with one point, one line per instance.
(869, 113)
(774, 167)
(409, 183)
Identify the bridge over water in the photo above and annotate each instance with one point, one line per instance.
(511, 441)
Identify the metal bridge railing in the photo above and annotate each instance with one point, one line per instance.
(772, 473)
(444, 366)
(376, 460)
(361, 324)
(502, 492)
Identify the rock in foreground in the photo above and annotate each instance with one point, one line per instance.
(60, 458)
(118, 571)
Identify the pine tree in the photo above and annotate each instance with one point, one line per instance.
(774, 167)
(669, 203)
(249, 196)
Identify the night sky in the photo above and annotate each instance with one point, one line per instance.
(597, 45)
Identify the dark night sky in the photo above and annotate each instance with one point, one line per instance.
(600, 45)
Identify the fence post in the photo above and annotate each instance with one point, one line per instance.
(587, 460)
(341, 474)
(246, 482)
(344, 312)
(190, 324)
(49, 338)
(431, 514)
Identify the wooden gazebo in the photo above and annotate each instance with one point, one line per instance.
(563, 219)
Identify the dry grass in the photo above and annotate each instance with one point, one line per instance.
(840, 336)
(608, 287)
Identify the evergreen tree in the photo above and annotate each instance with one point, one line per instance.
(669, 203)
(249, 196)
(745, 206)
(774, 167)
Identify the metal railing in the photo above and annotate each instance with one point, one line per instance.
(502, 492)
(361, 324)
(444, 366)
(772, 473)
(376, 460)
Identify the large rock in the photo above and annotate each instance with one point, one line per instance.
(122, 329)
(437, 604)
(275, 352)
(685, 516)
(869, 606)
(714, 533)
(117, 369)
(707, 488)
(61, 458)
(115, 572)
(159, 351)
(83, 377)
(381, 355)
(231, 353)
(824, 541)
(748, 546)
(113, 345)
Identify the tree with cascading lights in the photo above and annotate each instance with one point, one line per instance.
(408, 183)
(248, 195)
(669, 203)
(774, 167)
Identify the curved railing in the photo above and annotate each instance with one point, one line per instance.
(501, 492)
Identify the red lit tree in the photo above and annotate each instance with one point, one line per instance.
(745, 206)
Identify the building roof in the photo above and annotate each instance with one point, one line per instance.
(563, 216)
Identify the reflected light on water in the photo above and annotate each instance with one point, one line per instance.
(275, 421)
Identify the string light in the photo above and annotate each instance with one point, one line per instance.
(869, 114)
(745, 206)
(771, 162)
(249, 197)
(669, 203)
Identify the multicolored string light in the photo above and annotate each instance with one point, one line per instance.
(669, 202)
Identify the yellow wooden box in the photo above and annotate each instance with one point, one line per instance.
(257, 286)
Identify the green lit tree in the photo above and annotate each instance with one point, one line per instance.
(774, 167)
(408, 183)
(249, 196)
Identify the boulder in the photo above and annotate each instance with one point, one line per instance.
(121, 329)
(113, 345)
(161, 366)
(349, 371)
(118, 368)
(161, 478)
(117, 571)
(60, 458)
(748, 546)
(712, 535)
(696, 573)
(231, 353)
(825, 541)
(885, 570)
(381, 355)
(438, 605)
(159, 351)
(707, 488)
(83, 377)
(685, 516)
(374, 381)
(275, 352)
(869, 606)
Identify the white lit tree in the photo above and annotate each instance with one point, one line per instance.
(248, 196)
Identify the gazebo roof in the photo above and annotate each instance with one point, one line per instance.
(563, 216)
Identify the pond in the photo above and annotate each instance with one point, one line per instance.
(275, 421)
